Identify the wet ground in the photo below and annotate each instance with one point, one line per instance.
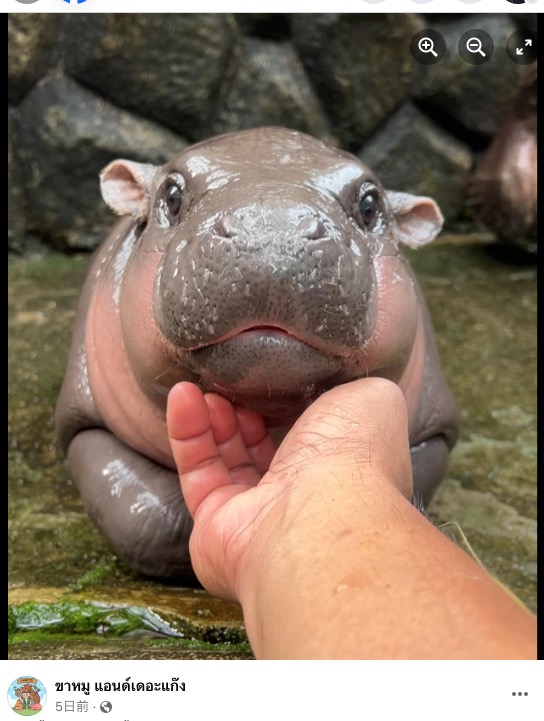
(71, 598)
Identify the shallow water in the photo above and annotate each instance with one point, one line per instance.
(484, 311)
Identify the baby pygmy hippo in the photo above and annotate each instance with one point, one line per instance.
(264, 265)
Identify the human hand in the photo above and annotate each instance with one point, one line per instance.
(242, 493)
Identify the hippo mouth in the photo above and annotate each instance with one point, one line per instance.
(267, 368)
(274, 330)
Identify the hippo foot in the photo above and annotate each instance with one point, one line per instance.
(429, 464)
(136, 503)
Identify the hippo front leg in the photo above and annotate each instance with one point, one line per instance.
(135, 502)
(429, 463)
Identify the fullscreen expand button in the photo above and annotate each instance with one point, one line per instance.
(521, 47)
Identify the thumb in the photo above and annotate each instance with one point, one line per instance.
(363, 424)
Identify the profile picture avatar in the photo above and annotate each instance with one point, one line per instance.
(26, 696)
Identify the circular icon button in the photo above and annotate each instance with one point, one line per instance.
(521, 47)
(428, 47)
(27, 2)
(476, 47)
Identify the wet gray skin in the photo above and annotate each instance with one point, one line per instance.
(503, 189)
(263, 265)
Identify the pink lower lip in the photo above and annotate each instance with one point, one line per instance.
(252, 329)
(264, 327)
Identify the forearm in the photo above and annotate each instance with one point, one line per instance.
(386, 583)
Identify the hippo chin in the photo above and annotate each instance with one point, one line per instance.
(267, 370)
(264, 265)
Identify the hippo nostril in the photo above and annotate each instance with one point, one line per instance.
(228, 226)
(311, 228)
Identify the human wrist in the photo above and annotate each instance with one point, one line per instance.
(304, 545)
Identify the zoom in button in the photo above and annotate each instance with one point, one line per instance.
(428, 47)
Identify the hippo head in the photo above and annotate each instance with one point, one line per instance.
(271, 263)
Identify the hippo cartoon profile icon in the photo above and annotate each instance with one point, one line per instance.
(264, 265)
(27, 696)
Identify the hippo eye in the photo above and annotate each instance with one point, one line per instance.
(170, 199)
(172, 196)
(369, 207)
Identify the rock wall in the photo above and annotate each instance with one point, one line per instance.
(85, 89)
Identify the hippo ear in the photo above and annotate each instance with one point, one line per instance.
(419, 219)
(126, 187)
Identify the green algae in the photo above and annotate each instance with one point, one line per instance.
(91, 624)
(102, 570)
(84, 617)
